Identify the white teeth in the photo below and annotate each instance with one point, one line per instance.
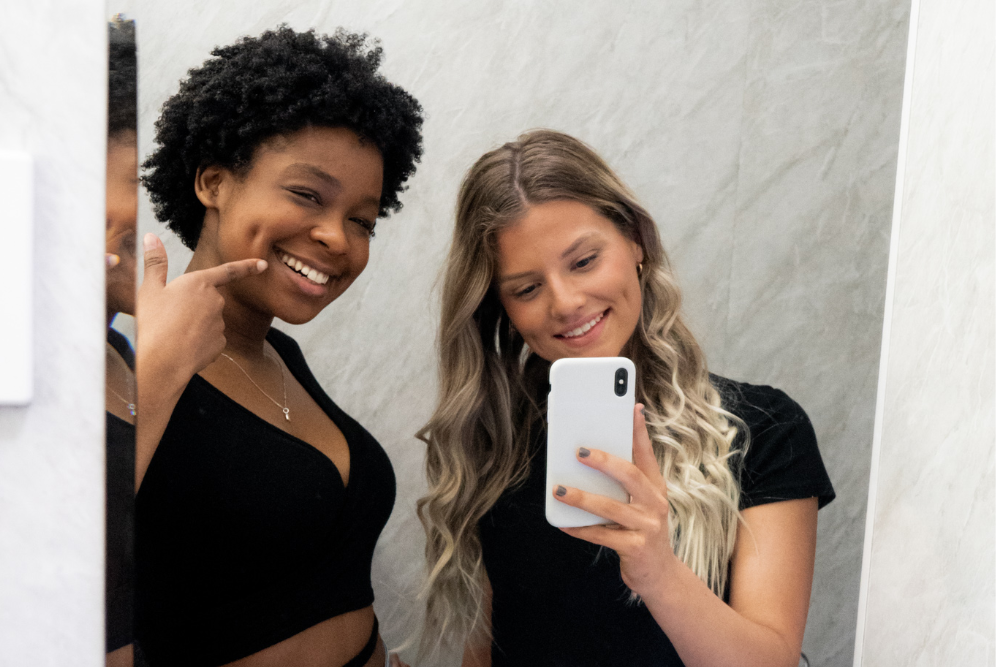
(579, 331)
(312, 274)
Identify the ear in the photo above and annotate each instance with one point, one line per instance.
(637, 253)
(207, 184)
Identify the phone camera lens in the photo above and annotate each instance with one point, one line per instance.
(621, 382)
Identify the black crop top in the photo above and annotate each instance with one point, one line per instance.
(559, 601)
(120, 504)
(246, 535)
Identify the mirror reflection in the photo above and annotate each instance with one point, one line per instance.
(762, 143)
(121, 394)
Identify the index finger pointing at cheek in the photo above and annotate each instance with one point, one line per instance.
(227, 273)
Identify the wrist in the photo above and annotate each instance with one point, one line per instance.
(156, 371)
(667, 581)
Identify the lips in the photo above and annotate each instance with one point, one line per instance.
(583, 328)
(300, 267)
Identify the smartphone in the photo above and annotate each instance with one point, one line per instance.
(590, 405)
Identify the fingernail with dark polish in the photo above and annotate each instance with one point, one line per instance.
(584, 452)
(560, 490)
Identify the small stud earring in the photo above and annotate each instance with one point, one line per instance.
(638, 269)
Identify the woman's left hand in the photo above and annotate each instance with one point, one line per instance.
(642, 536)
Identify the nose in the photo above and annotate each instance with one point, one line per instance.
(332, 234)
(566, 300)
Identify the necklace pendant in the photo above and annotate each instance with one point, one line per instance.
(287, 418)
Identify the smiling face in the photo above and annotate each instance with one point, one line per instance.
(308, 206)
(568, 281)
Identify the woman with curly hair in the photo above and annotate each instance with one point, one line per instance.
(259, 500)
(710, 563)
(120, 207)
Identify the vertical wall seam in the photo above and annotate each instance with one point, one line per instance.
(736, 190)
(897, 213)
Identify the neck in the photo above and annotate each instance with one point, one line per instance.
(246, 327)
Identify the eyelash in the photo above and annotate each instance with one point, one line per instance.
(309, 196)
(525, 292)
(367, 225)
(582, 264)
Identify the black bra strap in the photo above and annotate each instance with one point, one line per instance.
(366, 653)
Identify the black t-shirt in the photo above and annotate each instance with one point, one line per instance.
(560, 601)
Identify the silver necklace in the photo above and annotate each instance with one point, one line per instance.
(281, 369)
(130, 404)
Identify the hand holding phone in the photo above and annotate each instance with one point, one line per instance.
(590, 405)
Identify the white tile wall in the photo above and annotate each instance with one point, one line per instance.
(930, 589)
(53, 78)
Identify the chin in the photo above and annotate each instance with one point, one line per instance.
(297, 316)
(599, 349)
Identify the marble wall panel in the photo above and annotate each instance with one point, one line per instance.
(657, 90)
(734, 134)
(53, 79)
(933, 534)
(811, 234)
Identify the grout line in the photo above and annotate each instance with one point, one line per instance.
(736, 194)
(897, 211)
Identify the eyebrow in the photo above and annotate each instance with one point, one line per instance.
(373, 201)
(313, 171)
(516, 276)
(576, 245)
(566, 253)
(332, 181)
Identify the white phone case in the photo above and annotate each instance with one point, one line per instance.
(584, 411)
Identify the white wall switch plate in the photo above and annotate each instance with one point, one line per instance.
(16, 277)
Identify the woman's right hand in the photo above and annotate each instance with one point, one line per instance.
(179, 325)
(180, 331)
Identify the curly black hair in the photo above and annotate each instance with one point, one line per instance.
(273, 85)
(121, 78)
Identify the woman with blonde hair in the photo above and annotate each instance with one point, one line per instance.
(711, 561)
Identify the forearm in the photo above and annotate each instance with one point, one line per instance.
(479, 647)
(159, 389)
(706, 632)
(477, 654)
(180, 331)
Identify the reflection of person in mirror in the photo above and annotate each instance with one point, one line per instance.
(259, 499)
(711, 562)
(120, 388)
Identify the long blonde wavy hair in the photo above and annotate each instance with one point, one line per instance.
(489, 395)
